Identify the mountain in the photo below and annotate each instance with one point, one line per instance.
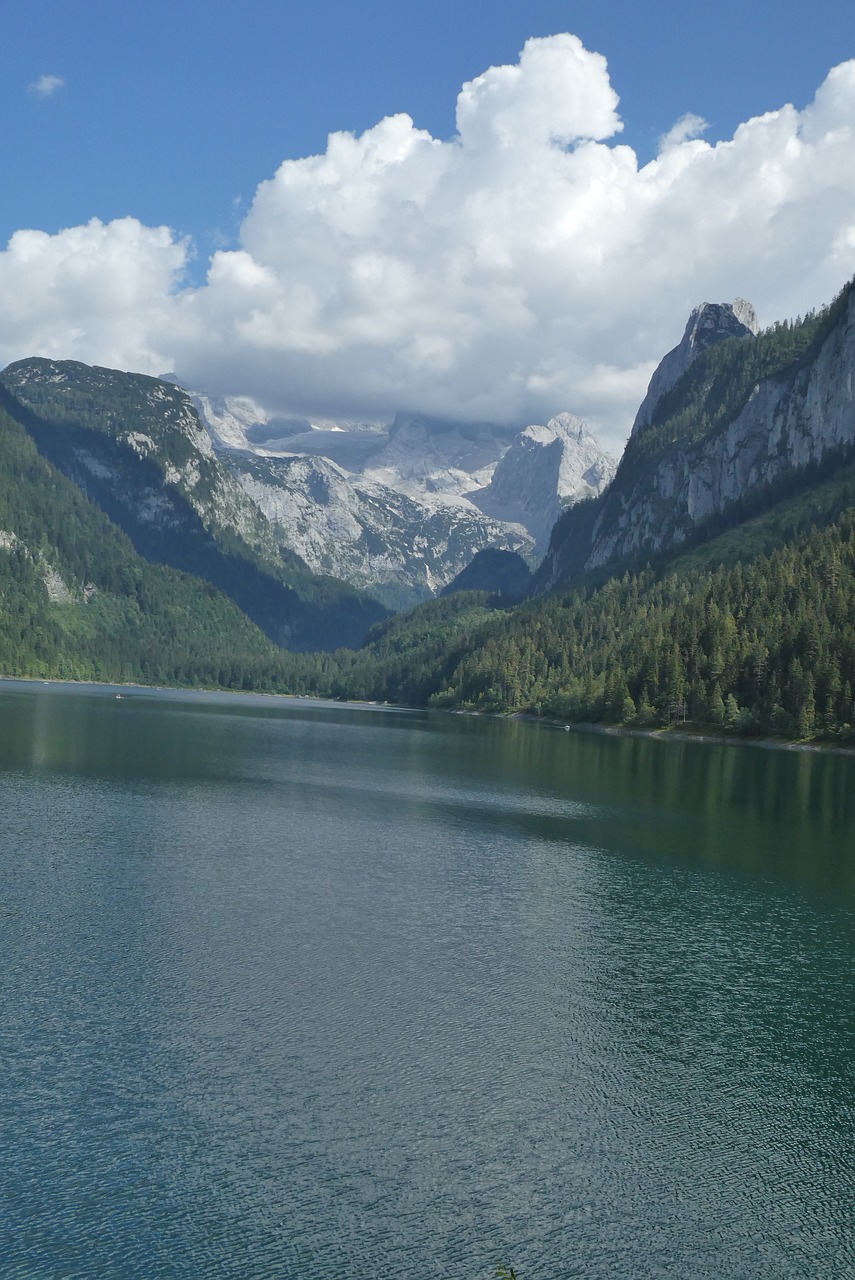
(136, 446)
(545, 470)
(750, 418)
(709, 324)
(381, 507)
(400, 510)
(402, 548)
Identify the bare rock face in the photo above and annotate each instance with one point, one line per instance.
(402, 547)
(790, 421)
(708, 324)
(546, 469)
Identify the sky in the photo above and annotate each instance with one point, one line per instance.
(481, 211)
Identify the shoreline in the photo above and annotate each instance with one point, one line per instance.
(669, 734)
(663, 734)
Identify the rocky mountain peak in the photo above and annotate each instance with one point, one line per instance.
(709, 323)
(546, 469)
(712, 322)
(746, 315)
(564, 427)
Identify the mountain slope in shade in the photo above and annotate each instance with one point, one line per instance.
(136, 446)
(502, 573)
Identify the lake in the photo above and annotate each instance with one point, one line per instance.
(293, 989)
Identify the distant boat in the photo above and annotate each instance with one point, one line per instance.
(118, 697)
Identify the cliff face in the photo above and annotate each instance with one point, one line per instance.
(546, 469)
(662, 493)
(788, 422)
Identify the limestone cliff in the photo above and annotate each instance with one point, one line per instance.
(698, 460)
(546, 469)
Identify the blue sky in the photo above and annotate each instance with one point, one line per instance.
(174, 114)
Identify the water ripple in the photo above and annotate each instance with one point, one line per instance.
(342, 1000)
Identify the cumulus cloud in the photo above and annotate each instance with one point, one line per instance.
(99, 293)
(525, 266)
(46, 86)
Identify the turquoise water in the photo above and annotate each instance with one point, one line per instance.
(292, 989)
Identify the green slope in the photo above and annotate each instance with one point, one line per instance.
(136, 447)
(76, 601)
(753, 633)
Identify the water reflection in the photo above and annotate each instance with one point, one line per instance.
(314, 990)
(769, 812)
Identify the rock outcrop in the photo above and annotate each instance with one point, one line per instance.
(788, 422)
(708, 324)
(663, 492)
(545, 470)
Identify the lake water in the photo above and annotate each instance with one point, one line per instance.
(301, 990)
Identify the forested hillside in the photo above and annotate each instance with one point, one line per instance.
(77, 602)
(754, 633)
(136, 447)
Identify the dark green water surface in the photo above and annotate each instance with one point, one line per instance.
(301, 990)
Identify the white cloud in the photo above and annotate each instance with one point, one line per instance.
(685, 129)
(98, 293)
(46, 86)
(526, 266)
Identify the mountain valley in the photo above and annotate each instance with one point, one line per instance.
(400, 510)
(708, 578)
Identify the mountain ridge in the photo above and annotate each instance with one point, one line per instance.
(742, 416)
(137, 448)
